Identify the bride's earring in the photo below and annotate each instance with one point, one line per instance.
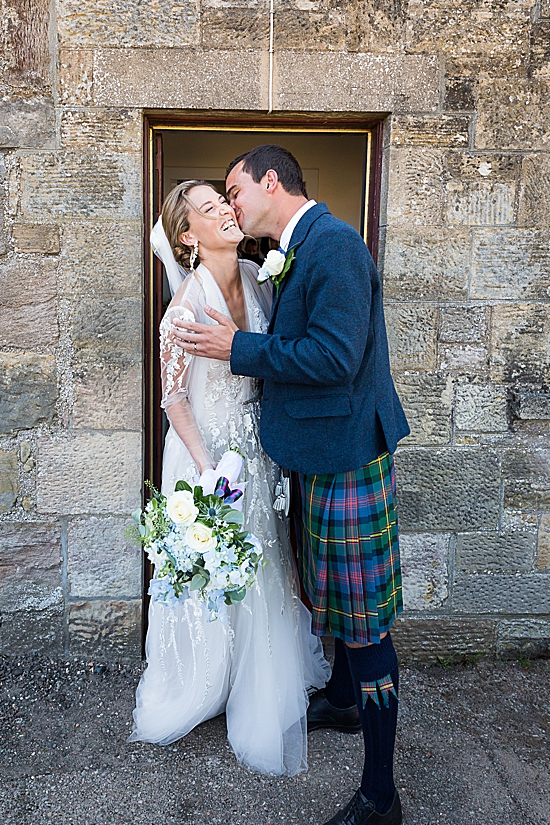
(194, 255)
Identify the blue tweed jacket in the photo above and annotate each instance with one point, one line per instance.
(329, 404)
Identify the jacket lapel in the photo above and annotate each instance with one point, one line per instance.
(301, 231)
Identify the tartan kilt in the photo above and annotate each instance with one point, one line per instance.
(348, 550)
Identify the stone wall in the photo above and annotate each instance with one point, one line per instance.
(463, 86)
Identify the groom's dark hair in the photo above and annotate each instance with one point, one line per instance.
(269, 156)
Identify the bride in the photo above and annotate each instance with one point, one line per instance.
(257, 665)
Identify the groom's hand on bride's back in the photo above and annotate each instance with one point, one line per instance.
(206, 340)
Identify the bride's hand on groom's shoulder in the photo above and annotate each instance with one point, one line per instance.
(206, 340)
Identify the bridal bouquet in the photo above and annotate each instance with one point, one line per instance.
(195, 539)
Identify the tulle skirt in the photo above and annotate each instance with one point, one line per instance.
(256, 666)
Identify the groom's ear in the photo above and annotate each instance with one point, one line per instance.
(270, 180)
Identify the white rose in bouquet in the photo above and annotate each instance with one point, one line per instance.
(199, 538)
(181, 508)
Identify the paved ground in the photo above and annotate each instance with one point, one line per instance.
(473, 748)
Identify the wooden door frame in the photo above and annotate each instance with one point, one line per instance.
(157, 120)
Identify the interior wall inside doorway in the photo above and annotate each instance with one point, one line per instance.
(333, 163)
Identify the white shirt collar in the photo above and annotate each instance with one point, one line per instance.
(291, 225)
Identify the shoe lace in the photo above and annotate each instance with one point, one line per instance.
(359, 804)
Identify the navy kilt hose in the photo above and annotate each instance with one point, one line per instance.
(348, 551)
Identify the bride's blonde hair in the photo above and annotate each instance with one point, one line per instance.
(175, 219)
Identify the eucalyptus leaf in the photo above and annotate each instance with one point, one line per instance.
(136, 515)
(197, 582)
(235, 517)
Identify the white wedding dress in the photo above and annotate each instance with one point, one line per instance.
(258, 664)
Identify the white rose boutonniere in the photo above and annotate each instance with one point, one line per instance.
(275, 266)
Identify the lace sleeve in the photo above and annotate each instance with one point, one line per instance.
(176, 368)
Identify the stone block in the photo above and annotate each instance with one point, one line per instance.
(25, 454)
(467, 29)
(545, 8)
(501, 593)
(26, 46)
(491, 166)
(373, 27)
(416, 188)
(109, 130)
(412, 335)
(31, 601)
(36, 237)
(429, 638)
(175, 78)
(523, 638)
(427, 264)
(301, 29)
(531, 405)
(75, 76)
(314, 81)
(481, 408)
(511, 263)
(107, 628)
(101, 257)
(431, 131)
(28, 391)
(102, 563)
(463, 324)
(463, 359)
(424, 563)
(519, 343)
(474, 68)
(245, 27)
(504, 551)
(543, 543)
(81, 184)
(107, 327)
(539, 58)
(527, 120)
(480, 203)
(107, 396)
(459, 94)
(427, 399)
(534, 197)
(29, 303)
(9, 485)
(171, 23)
(27, 124)
(448, 489)
(527, 478)
(30, 564)
(89, 473)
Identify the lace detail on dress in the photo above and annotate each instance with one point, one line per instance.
(173, 358)
(222, 385)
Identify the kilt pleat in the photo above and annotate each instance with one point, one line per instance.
(348, 551)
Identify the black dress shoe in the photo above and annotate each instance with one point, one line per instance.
(321, 714)
(361, 811)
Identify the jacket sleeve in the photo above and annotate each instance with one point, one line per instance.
(338, 300)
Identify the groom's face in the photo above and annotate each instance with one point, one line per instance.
(250, 201)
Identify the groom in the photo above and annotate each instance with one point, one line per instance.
(331, 415)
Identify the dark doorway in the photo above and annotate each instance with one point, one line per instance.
(341, 158)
